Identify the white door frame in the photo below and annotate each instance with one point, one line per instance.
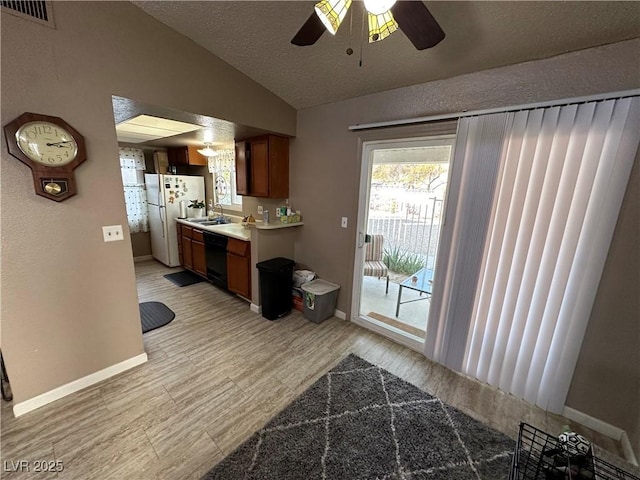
(363, 206)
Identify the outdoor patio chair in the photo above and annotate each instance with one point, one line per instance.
(373, 264)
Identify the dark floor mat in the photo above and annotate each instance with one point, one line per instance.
(155, 315)
(183, 278)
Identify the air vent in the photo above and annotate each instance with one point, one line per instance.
(39, 11)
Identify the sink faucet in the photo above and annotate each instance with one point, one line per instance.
(221, 210)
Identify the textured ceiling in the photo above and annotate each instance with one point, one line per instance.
(254, 37)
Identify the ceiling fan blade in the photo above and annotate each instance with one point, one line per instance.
(310, 32)
(417, 23)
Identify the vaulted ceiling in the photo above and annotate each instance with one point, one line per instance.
(254, 37)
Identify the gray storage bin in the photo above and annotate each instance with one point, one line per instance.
(320, 299)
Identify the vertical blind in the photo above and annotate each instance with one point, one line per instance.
(472, 181)
(563, 173)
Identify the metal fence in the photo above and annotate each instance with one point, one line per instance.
(411, 227)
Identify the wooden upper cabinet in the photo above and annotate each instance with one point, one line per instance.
(259, 181)
(186, 156)
(242, 168)
(262, 167)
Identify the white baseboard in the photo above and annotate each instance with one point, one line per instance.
(593, 423)
(143, 258)
(604, 428)
(72, 387)
(340, 314)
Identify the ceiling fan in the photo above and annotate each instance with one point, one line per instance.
(385, 16)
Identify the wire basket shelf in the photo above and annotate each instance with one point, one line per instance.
(540, 456)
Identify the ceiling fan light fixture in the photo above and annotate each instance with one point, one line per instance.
(332, 12)
(381, 26)
(378, 7)
(207, 151)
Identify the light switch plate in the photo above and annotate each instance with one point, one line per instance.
(344, 222)
(260, 210)
(112, 233)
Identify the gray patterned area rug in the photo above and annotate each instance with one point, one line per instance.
(361, 422)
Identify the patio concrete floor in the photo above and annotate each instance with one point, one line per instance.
(374, 300)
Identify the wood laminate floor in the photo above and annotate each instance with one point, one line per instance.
(215, 374)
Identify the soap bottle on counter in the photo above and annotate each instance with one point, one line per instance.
(282, 211)
(210, 210)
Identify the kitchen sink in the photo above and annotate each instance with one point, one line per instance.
(215, 222)
(205, 221)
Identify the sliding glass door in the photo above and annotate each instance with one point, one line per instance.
(404, 185)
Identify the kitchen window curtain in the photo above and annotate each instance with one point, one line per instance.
(563, 174)
(223, 168)
(132, 167)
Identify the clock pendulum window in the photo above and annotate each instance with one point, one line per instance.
(51, 148)
(55, 186)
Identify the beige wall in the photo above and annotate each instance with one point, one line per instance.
(141, 244)
(325, 175)
(268, 244)
(69, 306)
(606, 382)
(69, 302)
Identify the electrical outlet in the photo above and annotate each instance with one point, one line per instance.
(260, 210)
(344, 222)
(112, 233)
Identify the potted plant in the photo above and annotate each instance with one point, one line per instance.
(197, 208)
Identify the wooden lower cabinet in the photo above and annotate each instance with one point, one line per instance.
(185, 247)
(179, 230)
(191, 249)
(193, 257)
(187, 258)
(198, 255)
(239, 267)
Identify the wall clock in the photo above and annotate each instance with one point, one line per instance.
(51, 148)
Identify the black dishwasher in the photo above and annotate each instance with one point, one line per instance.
(216, 254)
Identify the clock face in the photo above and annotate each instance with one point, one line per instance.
(46, 143)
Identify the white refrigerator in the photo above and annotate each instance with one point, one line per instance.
(164, 194)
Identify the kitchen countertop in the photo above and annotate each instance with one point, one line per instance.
(274, 225)
(236, 230)
(233, 230)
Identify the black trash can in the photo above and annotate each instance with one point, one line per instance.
(276, 282)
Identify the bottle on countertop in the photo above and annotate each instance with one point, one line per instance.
(210, 210)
